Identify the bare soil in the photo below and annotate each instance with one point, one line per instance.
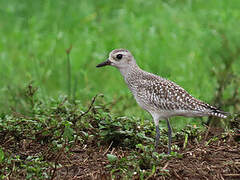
(219, 159)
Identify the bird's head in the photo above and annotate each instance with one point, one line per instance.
(120, 58)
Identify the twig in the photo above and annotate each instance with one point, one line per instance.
(47, 129)
(206, 135)
(66, 173)
(112, 151)
(90, 107)
(108, 149)
(165, 166)
(177, 176)
(56, 161)
(232, 175)
(76, 174)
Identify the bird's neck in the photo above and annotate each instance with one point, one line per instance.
(129, 70)
(131, 75)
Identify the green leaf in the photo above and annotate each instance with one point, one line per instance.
(112, 158)
(68, 132)
(153, 169)
(1, 155)
(140, 146)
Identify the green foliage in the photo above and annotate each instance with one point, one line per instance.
(1, 155)
(142, 162)
(112, 158)
(29, 168)
(59, 125)
(179, 40)
(31, 145)
(124, 131)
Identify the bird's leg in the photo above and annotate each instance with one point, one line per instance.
(157, 137)
(169, 136)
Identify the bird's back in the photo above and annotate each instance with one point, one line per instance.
(159, 95)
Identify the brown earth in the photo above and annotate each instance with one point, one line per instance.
(219, 159)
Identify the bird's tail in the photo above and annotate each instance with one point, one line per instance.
(218, 113)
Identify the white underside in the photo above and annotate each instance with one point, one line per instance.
(163, 115)
(168, 114)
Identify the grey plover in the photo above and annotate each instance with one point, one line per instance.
(160, 97)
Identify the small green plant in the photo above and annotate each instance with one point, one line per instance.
(142, 163)
(123, 131)
(1, 155)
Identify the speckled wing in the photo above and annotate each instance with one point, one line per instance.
(164, 95)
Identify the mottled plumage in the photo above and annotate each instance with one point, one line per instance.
(156, 94)
(160, 97)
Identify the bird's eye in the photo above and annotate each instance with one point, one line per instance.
(119, 56)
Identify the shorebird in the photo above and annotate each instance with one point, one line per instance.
(162, 98)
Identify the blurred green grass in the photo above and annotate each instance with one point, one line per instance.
(179, 40)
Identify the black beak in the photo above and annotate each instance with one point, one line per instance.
(105, 63)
